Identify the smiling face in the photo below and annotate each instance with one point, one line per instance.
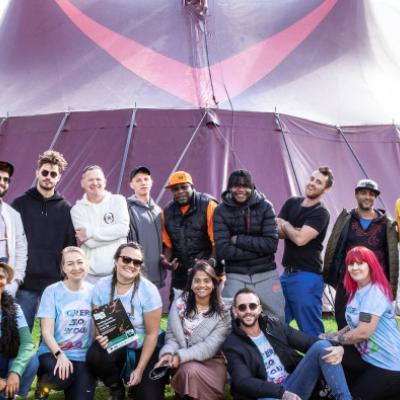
(241, 193)
(365, 199)
(128, 264)
(182, 193)
(202, 285)
(247, 309)
(94, 183)
(316, 185)
(48, 176)
(141, 184)
(74, 266)
(359, 272)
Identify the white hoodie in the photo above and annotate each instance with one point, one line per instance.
(107, 226)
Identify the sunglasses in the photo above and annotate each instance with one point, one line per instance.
(128, 260)
(5, 179)
(45, 173)
(243, 307)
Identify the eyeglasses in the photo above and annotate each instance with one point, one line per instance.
(45, 173)
(243, 307)
(128, 260)
(5, 179)
(177, 188)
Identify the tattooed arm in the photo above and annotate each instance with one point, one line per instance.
(366, 327)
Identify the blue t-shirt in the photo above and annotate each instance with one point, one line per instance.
(276, 372)
(21, 321)
(71, 311)
(382, 348)
(365, 223)
(146, 299)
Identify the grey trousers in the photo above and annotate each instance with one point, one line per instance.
(267, 286)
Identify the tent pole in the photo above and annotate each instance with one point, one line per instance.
(59, 130)
(364, 171)
(127, 145)
(3, 121)
(160, 195)
(280, 128)
(56, 136)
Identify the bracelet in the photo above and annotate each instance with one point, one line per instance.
(57, 353)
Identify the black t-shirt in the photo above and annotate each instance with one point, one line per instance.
(308, 257)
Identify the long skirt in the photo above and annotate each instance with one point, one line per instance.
(201, 380)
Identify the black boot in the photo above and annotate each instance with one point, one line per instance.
(117, 391)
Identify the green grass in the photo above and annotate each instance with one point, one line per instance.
(102, 393)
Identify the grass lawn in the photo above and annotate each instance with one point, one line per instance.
(102, 393)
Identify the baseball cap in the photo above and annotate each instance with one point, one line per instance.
(6, 166)
(178, 177)
(138, 169)
(368, 184)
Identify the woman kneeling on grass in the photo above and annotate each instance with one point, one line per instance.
(198, 324)
(18, 365)
(142, 302)
(67, 331)
(372, 328)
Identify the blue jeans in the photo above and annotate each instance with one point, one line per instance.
(304, 378)
(303, 295)
(29, 302)
(27, 377)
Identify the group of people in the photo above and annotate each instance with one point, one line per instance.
(229, 309)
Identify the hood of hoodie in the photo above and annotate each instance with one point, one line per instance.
(34, 193)
(134, 200)
(379, 211)
(84, 200)
(255, 198)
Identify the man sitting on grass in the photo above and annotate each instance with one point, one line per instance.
(280, 372)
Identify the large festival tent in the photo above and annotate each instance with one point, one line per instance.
(275, 87)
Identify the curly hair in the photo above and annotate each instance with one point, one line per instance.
(9, 340)
(52, 157)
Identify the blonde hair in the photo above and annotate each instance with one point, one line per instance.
(69, 250)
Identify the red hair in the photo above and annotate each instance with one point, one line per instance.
(361, 254)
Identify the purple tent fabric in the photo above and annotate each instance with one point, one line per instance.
(333, 61)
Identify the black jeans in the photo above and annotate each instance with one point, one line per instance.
(367, 382)
(340, 306)
(108, 368)
(80, 385)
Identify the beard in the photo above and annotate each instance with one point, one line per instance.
(246, 324)
(3, 192)
(47, 186)
(367, 207)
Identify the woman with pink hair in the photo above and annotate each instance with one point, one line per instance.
(371, 328)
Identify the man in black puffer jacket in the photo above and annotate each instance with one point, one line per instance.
(263, 362)
(246, 238)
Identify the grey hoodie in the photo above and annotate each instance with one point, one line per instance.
(145, 228)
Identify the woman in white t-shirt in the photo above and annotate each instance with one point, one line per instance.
(198, 324)
(371, 328)
(67, 331)
(142, 302)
